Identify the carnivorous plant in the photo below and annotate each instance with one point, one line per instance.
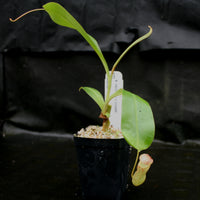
(137, 122)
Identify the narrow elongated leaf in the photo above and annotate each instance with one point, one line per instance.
(95, 95)
(117, 93)
(62, 17)
(137, 121)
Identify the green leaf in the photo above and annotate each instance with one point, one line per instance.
(117, 93)
(62, 17)
(108, 110)
(131, 46)
(137, 122)
(95, 95)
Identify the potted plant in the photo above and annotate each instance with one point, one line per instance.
(103, 151)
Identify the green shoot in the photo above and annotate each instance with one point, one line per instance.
(137, 119)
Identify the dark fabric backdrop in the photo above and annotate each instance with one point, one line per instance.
(43, 65)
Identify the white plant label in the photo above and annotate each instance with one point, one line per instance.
(117, 83)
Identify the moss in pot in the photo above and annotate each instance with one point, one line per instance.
(102, 150)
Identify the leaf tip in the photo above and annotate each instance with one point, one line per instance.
(151, 29)
(12, 20)
(80, 89)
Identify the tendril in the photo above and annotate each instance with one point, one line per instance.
(30, 11)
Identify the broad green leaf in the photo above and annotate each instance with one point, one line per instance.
(62, 17)
(137, 122)
(95, 95)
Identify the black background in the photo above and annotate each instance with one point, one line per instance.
(43, 65)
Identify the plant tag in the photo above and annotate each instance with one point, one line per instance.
(115, 115)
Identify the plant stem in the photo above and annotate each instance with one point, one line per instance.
(136, 160)
(30, 11)
(106, 124)
(109, 78)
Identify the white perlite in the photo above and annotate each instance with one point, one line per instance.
(96, 132)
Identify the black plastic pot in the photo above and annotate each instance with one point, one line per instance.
(103, 166)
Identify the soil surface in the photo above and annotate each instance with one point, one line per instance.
(96, 132)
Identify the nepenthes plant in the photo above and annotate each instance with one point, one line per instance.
(137, 122)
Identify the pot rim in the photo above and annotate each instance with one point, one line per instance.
(101, 142)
